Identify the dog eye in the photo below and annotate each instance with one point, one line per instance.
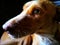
(36, 11)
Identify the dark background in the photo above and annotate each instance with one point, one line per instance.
(9, 9)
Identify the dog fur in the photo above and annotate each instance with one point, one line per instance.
(34, 24)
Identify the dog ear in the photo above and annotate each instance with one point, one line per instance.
(49, 7)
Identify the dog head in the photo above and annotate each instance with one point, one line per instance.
(35, 15)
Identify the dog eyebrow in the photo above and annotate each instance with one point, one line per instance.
(34, 6)
(28, 4)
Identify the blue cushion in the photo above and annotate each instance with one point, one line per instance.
(57, 3)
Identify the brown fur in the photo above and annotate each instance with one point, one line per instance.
(41, 22)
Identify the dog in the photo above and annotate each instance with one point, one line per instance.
(35, 25)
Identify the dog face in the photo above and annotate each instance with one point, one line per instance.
(35, 16)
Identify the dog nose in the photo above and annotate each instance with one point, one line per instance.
(14, 20)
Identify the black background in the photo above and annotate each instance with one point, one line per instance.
(9, 9)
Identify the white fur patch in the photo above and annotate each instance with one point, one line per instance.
(43, 40)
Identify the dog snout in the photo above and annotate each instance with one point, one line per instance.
(12, 22)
